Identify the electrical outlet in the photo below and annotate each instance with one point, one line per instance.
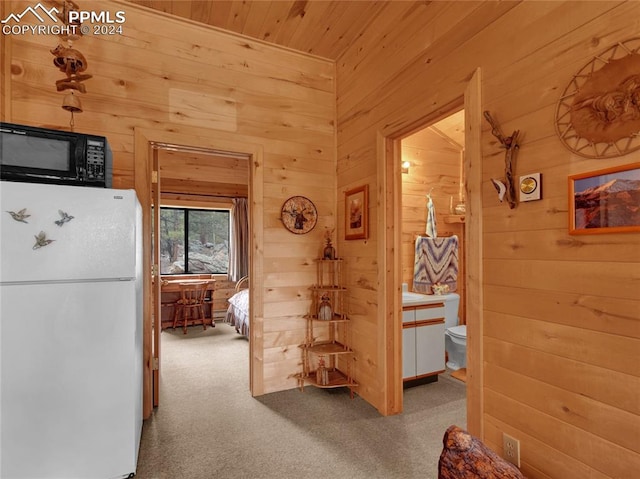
(511, 449)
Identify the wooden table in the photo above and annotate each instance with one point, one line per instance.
(170, 286)
(173, 285)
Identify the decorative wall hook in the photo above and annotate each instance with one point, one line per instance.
(506, 187)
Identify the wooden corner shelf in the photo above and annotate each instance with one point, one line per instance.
(327, 359)
(326, 348)
(337, 379)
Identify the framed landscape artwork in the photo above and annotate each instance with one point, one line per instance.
(356, 213)
(605, 201)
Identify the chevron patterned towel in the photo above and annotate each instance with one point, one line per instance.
(436, 261)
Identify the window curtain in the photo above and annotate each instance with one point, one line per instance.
(239, 251)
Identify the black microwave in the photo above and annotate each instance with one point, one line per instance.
(40, 155)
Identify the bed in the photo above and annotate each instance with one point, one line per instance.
(238, 311)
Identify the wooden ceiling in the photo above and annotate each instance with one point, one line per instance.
(452, 127)
(319, 27)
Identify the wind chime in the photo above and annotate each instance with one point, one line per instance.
(70, 61)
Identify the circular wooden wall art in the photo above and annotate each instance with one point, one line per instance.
(598, 115)
(299, 215)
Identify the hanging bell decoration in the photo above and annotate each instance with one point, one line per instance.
(71, 103)
(69, 60)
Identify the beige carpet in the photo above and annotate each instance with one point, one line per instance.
(209, 426)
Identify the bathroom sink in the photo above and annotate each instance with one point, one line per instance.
(411, 299)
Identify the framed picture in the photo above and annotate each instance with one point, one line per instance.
(605, 201)
(356, 204)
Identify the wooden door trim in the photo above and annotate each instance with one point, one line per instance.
(212, 139)
(473, 243)
(155, 273)
(389, 191)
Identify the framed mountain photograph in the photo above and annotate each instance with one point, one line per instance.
(605, 201)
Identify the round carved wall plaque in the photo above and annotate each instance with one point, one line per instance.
(598, 115)
(299, 215)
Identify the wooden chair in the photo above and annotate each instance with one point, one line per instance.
(190, 306)
(208, 299)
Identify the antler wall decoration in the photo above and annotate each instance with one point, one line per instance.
(505, 187)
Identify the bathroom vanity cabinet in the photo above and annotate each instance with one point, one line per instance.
(423, 328)
(327, 358)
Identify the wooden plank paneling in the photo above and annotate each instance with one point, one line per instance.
(596, 312)
(616, 280)
(609, 422)
(182, 78)
(604, 385)
(324, 28)
(6, 42)
(574, 442)
(607, 350)
(549, 462)
(561, 316)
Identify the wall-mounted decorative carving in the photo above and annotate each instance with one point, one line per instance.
(598, 115)
(505, 187)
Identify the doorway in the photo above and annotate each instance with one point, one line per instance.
(389, 168)
(146, 179)
(432, 213)
(201, 193)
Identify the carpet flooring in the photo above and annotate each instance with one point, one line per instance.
(209, 426)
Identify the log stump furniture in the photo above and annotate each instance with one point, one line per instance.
(466, 457)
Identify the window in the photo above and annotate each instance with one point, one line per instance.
(194, 241)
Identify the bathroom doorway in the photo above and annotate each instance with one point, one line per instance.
(433, 215)
(390, 226)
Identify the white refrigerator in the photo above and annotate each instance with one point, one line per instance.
(70, 331)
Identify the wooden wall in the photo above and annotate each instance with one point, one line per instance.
(204, 174)
(561, 327)
(436, 162)
(561, 313)
(165, 74)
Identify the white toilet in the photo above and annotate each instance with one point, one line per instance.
(455, 336)
(455, 343)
